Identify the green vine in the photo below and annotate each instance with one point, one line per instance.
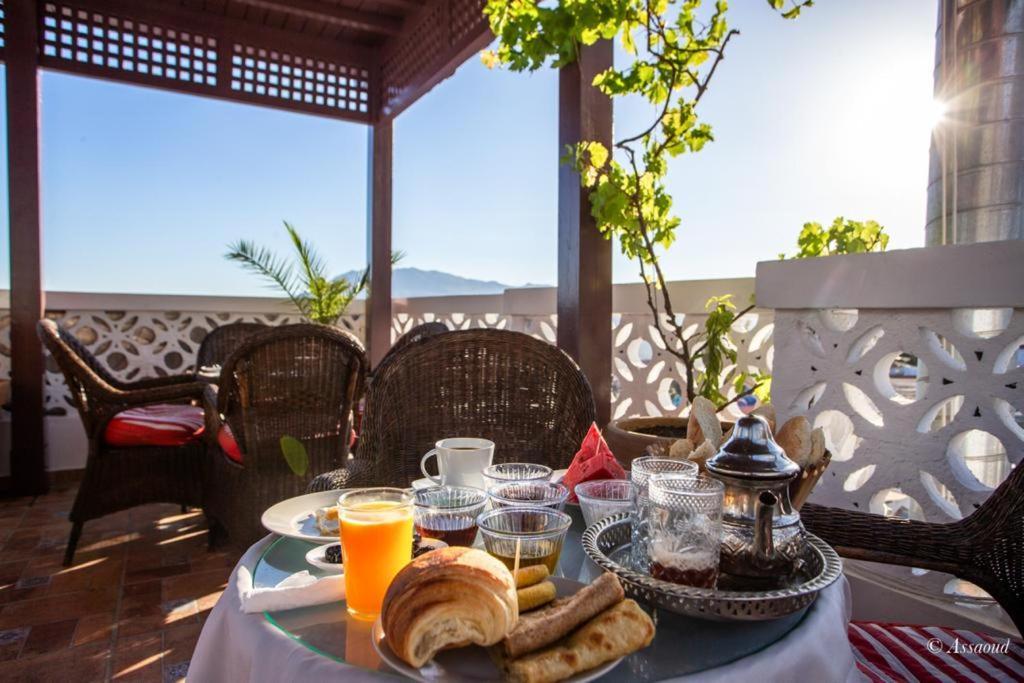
(842, 237)
(675, 48)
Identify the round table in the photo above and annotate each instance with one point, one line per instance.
(323, 642)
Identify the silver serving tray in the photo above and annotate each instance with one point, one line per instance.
(607, 544)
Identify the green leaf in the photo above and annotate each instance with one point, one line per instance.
(843, 236)
(305, 283)
(295, 455)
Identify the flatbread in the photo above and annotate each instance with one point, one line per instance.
(618, 631)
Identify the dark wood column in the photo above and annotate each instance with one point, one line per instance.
(28, 467)
(378, 242)
(584, 257)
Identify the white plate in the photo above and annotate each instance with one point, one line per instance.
(469, 664)
(296, 517)
(317, 556)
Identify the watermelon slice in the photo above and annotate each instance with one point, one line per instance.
(594, 460)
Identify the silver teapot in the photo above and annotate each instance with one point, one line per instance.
(762, 537)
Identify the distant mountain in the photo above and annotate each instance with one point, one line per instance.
(408, 282)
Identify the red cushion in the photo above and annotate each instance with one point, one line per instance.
(892, 652)
(227, 442)
(161, 424)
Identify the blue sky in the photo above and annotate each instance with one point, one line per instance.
(823, 116)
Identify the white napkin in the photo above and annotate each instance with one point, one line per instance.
(301, 589)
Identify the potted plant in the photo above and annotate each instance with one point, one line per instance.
(317, 297)
(675, 50)
(633, 435)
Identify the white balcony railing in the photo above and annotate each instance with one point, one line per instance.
(144, 335)
(911, 361)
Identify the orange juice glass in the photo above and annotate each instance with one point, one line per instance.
(376, 542)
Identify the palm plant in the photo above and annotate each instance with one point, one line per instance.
(319, 298)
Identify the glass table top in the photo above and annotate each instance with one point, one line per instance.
(683, 645)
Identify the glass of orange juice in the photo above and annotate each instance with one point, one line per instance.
(376, 542)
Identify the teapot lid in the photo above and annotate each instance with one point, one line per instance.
(751, 453)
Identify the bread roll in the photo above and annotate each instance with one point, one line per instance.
(795, 439)
(703, 423)
(451, 597)
(703, 452)
(817, 447)
(681, 449)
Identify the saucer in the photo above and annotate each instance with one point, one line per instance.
(424, 483)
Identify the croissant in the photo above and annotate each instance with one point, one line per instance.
(448, 598)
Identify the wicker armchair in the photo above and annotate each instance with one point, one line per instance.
(339, 478)
(117, 478)
(221, 342)
(524, 394)
(985, 548)
(296, 380)
(416, 334)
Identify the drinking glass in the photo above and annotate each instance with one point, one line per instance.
(641, 471)
(685, 528)
(524, 536)
(515, 471)
(529, 493)
(448, 513)
(376, 542)
(601, 498)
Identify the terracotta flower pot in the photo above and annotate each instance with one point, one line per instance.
(629, 436)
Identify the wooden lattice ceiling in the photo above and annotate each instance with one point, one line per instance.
(360, 60)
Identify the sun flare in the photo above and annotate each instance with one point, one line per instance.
(937, 111)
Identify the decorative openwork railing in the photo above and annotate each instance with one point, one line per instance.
(646, 380)
(145, 335)
(912, 362)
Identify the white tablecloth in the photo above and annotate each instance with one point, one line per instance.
(239, 647)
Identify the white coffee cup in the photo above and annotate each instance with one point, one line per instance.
(460, 461)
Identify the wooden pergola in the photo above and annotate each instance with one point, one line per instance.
(356, 60)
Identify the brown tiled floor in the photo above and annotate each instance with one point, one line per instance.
(130, 608)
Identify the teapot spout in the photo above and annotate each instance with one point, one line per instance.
(764, 544)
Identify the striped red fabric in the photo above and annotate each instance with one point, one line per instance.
(895, 653)
(227, 443)
(161, 424)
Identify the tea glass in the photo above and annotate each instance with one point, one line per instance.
(515, 471)
(448, 513)
(601, 498)
(685, 519)
(524, 536)
(376, 542)
(641, 471)
(529, 494)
